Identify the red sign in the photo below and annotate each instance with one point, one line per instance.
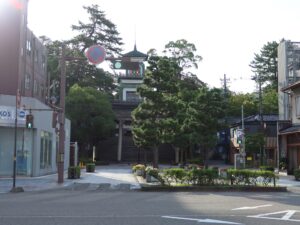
(95, 54)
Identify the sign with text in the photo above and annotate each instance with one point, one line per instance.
(8, 115)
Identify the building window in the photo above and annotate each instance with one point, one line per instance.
(35, 87)
(27, 81)
(46, 150)
(297, 104)
(36, 55)
(44, 62)
(28, 47)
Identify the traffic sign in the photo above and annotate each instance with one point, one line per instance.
(95, 54)
(22, 113)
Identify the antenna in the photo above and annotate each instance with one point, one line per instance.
(135, 37)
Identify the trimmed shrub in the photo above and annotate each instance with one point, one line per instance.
(202, 177)
(198, 161)
(154, 172)
(176, 175)
(297, 174)
(267, 168)
(251, 177)
(90, 167)
(139, 169)
(74, 172)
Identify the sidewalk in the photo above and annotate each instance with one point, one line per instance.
(34, 183)
(118, 176)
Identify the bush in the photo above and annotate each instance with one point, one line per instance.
(85, 160)
(251, 177)
(176, 175)
(154, 172)
(74, 172)
(267, 168)
(198, 161)
(283, 164)
(90, 167)
(297, 174)
(202, 177)
(138, 167)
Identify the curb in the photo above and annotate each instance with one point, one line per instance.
(145, 187)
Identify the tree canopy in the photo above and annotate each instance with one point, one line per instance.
(177, 109)
(264, 65)
(91, 115)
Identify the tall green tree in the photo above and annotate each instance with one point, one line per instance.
(264, 65)
(184, 54)
(270, 101)
(77, 71)
(236, 100)
(203, 117)
(165, 93)
(154, 120)
(98, 30)
(91, 115)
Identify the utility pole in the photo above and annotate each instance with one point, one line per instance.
(243, 140)
(262, 151)
(61, 150)
(227, 145)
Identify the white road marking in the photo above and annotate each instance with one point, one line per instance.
(251, 207)
(286, 217)
(200, 220)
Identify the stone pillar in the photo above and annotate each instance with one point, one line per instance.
(120, 141)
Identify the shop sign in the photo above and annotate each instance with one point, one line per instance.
(7, 114)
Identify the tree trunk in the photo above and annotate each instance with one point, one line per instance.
(181, 156)
(205, 157)
(176, 154)
(155, 157)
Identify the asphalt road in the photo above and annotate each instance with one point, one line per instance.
(83, 207)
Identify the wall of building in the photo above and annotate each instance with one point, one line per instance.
(283, 98)
(34, 146)
(294, 96)
(11, 35)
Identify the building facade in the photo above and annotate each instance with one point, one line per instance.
(267, 153)
(24, 90)
(289, 103)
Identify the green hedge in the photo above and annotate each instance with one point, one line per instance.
(204, 177)
(267, 168)
(251, 177)
(177, 175)
(74, 172)
(138, 167)
(154, 172)
(297, 174)
(90, 167)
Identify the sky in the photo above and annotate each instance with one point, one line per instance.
(226, 33)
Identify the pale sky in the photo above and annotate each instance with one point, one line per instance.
(226, 33)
